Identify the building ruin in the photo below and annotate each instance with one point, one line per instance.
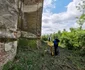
(18, 18)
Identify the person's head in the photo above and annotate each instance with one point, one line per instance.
(56, 39)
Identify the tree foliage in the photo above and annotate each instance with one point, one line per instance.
(81, 8)
(75, 39)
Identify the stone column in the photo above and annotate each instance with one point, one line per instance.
(8, 30)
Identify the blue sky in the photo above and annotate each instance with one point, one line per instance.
(59, 15)
(60, 6)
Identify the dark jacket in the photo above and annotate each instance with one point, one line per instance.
(56, 41)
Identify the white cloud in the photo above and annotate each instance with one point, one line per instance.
(48, 3)
(53, 22)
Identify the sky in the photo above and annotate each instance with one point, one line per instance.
(58, 15)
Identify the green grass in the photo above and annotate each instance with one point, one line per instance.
(27, 43)
(34, 59)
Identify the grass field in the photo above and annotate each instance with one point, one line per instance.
(34, 59)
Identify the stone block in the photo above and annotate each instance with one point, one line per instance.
(28, 35)
(8, 46)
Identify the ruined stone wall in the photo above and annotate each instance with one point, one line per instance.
(33, 21)
(8, 30)
(31, 12)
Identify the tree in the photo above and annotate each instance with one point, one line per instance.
(72, 29)
(64, 30)
(81, 7)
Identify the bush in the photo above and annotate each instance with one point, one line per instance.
(27, 43)
(82, 52)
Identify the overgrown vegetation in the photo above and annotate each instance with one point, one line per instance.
(29, 59)
(73, 40)
(27, 43)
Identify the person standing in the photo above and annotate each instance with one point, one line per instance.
(49, 38)
(56, 48)
(50, 44)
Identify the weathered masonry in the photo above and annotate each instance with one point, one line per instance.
(18, 18)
